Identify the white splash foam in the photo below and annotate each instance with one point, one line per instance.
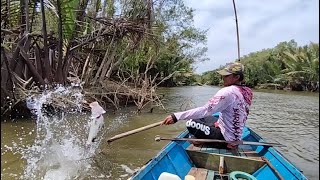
(59, 150)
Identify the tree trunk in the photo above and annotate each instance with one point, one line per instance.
(22, 17)
(26, 6)
(117, 63)
(59, 74)
(39, 80)
(38, 63)
(108, 64)
(79, 18)
(47, 67)
(34, 10)
(6, 78)
(104, 60)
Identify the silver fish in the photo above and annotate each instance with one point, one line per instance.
(97, 121)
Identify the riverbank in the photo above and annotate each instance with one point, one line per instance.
(114, 96)
(110, 95)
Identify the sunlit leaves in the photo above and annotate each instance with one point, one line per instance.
(68, 8)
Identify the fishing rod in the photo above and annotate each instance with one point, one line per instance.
(238, 41)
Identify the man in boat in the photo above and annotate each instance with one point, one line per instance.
(232, 102)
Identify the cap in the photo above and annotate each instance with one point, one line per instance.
(232, 68)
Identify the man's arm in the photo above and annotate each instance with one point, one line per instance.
(219, 102)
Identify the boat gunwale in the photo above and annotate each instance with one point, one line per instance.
(280, 158)
(162, 153)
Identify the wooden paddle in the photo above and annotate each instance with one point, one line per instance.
(158, 138)
(272, 167)
(134, 131)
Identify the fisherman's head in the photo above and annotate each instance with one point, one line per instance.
(232, 74)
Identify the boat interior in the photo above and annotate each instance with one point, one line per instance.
(244, 162)
(207, 161)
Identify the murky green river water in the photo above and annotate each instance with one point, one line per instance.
(289, 118)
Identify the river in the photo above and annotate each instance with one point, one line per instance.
(290, 118)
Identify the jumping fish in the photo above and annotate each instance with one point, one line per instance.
(96, 122)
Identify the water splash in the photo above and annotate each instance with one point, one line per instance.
(59, 150)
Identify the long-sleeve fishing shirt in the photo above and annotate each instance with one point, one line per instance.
(233, 104)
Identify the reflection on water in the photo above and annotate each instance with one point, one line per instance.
(290, 118)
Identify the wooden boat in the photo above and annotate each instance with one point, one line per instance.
(181, 158)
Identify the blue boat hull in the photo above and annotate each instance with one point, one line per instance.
(175, 159)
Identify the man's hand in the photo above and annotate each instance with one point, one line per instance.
(168, 120)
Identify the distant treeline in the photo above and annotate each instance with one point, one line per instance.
(286, 66)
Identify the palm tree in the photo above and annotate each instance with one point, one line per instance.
(302, 65)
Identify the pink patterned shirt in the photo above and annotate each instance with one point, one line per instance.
(233, 104)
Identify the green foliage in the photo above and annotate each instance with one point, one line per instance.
(286, 65)
(68, 13)
(211, 78)
(179, 43)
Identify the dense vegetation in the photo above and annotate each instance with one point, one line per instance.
(117, 49)
(285, 66)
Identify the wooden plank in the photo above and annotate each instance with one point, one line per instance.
(203, 148)
(192, 171)
(208, 149)
(210, 175)
(232, 163)
(252, 154)
(198, 173)
(235, 152)
(249, 152)
(201, 174)
(241, 152)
